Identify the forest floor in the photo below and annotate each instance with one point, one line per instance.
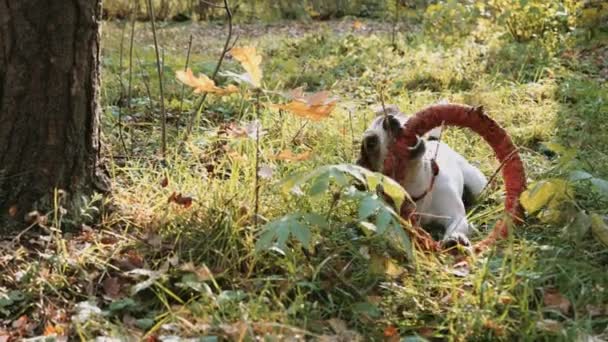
(175, 253)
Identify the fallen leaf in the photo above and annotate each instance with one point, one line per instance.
(250, 60)
(596, 310)
(111, 287)
(549, 325)
(203, 273)
(164, 182)
(553, 299)
(254, 129)
(49, 330)
(599, 228)
(203, 84)
(495, 327)
(178, 198)
(391, 332)
(266, 171)
(461, 269)
(287, 155)
(357, 25)
(315, 106)
(12, 211)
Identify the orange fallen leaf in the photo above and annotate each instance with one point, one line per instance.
(357, 25)
(49, 330)
(553, 299)
(391, 331)
(287, 155)
(203, 84)
(316, 106)
(12, 211)
(250, 60)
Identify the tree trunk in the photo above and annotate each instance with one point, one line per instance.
(49, 112)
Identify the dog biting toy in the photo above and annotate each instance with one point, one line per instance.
(474, 118)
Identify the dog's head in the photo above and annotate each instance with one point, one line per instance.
(380, 135)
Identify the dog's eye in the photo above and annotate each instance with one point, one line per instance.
(371, 142)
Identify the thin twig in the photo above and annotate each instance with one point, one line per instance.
(181, 99)
(257, 161)
(194, 116)
(130, 82)
(122, 91)
(163, 124)
(495, 174)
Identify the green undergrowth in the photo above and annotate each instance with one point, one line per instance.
(155, 267)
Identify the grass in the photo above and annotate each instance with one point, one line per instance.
(208, 278)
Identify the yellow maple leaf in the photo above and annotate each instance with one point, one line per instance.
(203, 84)
(315, 106)
(250, 60)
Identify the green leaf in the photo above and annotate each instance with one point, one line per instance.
(144, 323)
(367, 308)
(265, 239)
(368, 206)
(320, 185)
(599, 228)
(282, 234)
(301, 233)
(316, 220)
(122, 304)
(383, 220)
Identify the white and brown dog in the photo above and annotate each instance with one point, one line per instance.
(439, 185)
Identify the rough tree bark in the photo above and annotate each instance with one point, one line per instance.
(49, 112)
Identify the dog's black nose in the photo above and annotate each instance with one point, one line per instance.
(371, 142)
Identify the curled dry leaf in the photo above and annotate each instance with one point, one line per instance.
(178, 198)
(553, 299)
(203, 84)
(111, 287)
(316, 107)
(164, 182)
(287, 155)
(250, 60)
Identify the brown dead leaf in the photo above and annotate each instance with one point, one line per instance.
(427, 332)
(288, 155)
(549, 325)
(111, 287)
(495, 327)
(553, 299)
(202, 272)
(250, 60)
(164, 182)
(178, 198)
(203, 84)
(12, 211)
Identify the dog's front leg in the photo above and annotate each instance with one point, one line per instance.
(457, 232)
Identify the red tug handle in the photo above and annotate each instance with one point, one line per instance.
(474, 118)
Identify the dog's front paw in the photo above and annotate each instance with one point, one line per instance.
(454, 240)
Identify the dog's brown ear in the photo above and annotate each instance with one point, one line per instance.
(392, 126)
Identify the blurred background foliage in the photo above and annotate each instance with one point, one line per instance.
(451, 19)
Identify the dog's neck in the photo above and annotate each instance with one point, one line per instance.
(418, 177)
